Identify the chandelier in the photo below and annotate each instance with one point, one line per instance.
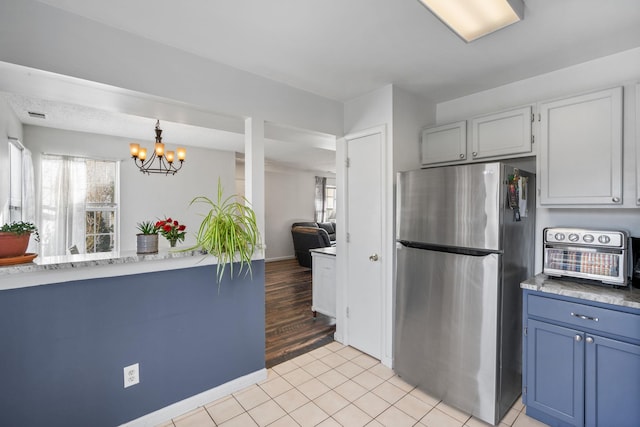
(165, 160)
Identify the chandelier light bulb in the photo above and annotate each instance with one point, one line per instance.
(170, 156)
(182, 153)
(134, 149)
(142, 153)
(159, 149)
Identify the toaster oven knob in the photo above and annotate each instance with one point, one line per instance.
(588, 238)
(559, 237)
(604, 239)
(573, 237)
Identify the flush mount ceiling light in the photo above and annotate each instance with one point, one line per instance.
(472, 19)
(165, 164)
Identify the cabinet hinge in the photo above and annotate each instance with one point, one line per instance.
(525, 331)
(539, 117)
(347, 162)
(524, 390)
(533, 139)
(348, 237)
(347, 312)
(533, 117)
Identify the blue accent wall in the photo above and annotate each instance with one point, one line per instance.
(63, 346)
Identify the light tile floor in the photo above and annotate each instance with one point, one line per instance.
(337, 386)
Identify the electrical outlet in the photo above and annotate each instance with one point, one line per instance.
(131, 375)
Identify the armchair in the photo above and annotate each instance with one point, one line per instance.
(306, 238)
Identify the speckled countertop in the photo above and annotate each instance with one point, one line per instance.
(329, 250)
(51, 270)
(89, 260)
(628, 297)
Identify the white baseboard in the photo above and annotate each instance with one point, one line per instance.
(280, 258)
(189, 404)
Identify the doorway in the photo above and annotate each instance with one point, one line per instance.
(290, 326)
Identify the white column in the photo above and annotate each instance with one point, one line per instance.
(254, 169)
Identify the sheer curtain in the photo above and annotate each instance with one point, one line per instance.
(320, 197)
(28, 194)
(63, 204)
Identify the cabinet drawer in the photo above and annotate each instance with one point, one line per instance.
(584, 316)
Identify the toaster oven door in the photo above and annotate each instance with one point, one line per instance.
(606, 266)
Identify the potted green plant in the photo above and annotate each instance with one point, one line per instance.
(147, 239)
(14, 238)
(229, 232)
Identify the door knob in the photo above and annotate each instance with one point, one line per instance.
(578, 338)
(589, 340)
(373, 257)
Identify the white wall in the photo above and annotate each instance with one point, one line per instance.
(410, 114)
(615, 70)
(290, 196)
(142, 197)
(9, 126)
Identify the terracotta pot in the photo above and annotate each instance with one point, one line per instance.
(147, 243)
(13, 245)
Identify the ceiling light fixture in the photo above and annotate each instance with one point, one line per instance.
(165, 163)
(472, 19)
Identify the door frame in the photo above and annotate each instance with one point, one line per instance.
(387, 258)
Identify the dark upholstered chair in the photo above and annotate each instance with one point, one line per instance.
(306, 238)
(329, 227)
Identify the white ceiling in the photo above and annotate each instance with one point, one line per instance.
(339, 49)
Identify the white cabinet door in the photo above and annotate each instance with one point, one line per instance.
(446, 143)
(581, 150)
(500, 134)
(323, 284)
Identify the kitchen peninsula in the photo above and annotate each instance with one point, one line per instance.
(90, 318)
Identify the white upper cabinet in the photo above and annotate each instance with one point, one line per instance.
(501, 134)
(446, 143)
(580, 160)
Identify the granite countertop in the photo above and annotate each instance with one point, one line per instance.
(628, 297)
(329, 250)
(90, 260)
(52, 270)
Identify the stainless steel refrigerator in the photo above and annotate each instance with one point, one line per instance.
(465, 241)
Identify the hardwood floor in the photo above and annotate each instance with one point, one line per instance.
(291, 328)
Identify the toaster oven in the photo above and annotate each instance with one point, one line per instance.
(599, 256)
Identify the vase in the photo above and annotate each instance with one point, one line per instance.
(147, 243)
(12, 244)
(173, 242)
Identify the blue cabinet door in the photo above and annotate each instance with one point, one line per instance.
(555, 371)
(612, 379)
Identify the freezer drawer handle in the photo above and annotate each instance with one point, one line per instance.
(373, 257)
(583, 317)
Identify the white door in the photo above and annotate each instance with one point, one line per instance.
(364, 243)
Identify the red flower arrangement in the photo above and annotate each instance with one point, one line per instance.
(172, 230)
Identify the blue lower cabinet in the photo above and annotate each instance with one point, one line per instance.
(555, 371)
(612, 393)
(581, 362)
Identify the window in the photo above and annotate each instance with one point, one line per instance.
(79, 205)
(330, 203)
(15, 181)
(325, 200)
